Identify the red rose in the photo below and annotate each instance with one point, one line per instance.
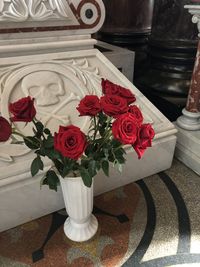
(113, 105)
(137, 113)
(110, 88)
(23, 109)
(128, 95)
(125, 129)
(70, 141)
(89, 106)
(145, 135)
(5, 130)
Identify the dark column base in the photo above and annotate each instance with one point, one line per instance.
(125, 39)
(168, 70)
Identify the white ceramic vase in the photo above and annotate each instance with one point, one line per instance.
(81, 225)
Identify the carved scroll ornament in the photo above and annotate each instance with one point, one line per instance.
(38, 10)
(68, 15)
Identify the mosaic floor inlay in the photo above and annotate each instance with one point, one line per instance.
(154, 222)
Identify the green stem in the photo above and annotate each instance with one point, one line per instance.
(96, 126)
(106, 138)
(108, 123)
(34, 122)
(24, 137)
(19, 134)
(118, 147)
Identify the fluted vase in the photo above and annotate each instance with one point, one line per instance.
(81, 225)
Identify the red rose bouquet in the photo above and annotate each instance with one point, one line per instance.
(115, 122)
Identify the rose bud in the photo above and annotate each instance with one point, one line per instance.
(145, 136)
(23, 109)
(5, 129)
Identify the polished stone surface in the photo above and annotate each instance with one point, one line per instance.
(172, 50)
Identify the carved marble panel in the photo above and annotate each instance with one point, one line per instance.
(58, 82)
(51, 15)
(57, 87)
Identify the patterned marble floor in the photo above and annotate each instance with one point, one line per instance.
(153, 222)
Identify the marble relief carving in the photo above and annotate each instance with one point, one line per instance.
(57, 15)
(57, 87)
(44, 86)
(38, 10)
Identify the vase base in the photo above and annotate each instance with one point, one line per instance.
(81, 232)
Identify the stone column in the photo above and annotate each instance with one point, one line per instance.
(172, 50)
(191, 115)
(128, 24)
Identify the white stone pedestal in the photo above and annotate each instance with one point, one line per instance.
(188, 125)
(188, 148)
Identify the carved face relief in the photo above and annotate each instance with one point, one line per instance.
(44, 86)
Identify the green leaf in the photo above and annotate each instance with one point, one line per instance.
(52, 180)
(36, 165)
(87, 179)
(39, 127)
(92, 168)
(118, 152)
(106, 153)
(90, 150)
(66, 171)
(119, 155)
(52, 154)
(34, 131)
(58, 165)
(68, 166)
(44, 181)
(111, 158)
(32, 142)
(46, 131)
(115, 143)
(120, 158)
(49, 142)
(105, 167)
